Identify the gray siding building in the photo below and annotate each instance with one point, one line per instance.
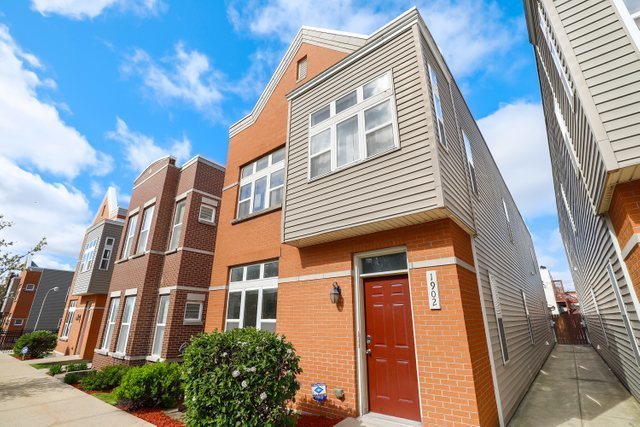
(588, 59)
(48, 302)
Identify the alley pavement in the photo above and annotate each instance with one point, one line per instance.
(576, 388)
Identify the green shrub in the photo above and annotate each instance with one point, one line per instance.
(157, 384)
(106, 379)
(55, 370)
(241, 377)
(72, 378)
(39, 343)
(82, 366)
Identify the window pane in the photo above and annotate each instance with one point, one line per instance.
(244, 209)
(321, 141)
(375, 87)
(269, 303)
(633, 5)
(275, 198)
(271, 269)
(157, 341)
(268, 326)
(277, 156)
(377, 116)
(348, 146)
(232, 325)
(179, 212)
(233, 307)
(382, 263)
(253, 272)
(259, 194)
(192, 311)
(321, 164)
(250, 308)
(262, 163)
(379, 140)
(320, 115)
(236, 274)
(247, 171)
(277, 179)
(245, 191)
(346, 102)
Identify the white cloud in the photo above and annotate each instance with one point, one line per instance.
(97, 190)
(82, 9)
(42, 209)
(186, 76)
(470, 33)
(550, 253)
(516, 135)
(32, 131)
(141, 150)
(48, 261)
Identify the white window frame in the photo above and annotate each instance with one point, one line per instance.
(526, 312)
(568, 209)
(497, 309)
(555, 55)
(566, 137)
(145, 229)
(200, 305)
(212, 219)
(629, 20)
(110, 324)
(68, 321)
(437, 105)
(15, 322)
(130, 236)
(356, 110)
(121, 346)
(470, 165)
(508, 219)
(29, 287)
(106, 253)
(623, 312)
(174, 242)
(88, 254)
(597, 309)
(160, 323)
(257, 175)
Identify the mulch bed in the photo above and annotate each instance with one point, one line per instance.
(156, 417)
(313, 421)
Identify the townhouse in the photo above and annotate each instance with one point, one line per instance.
(78, 332)
(157, 296)
(364, 218)
(35, 299)
(588, 60)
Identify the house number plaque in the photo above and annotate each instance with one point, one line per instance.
(434, 291)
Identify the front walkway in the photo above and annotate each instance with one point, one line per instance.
(29, 397)
(576, 388)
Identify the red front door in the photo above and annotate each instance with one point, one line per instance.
(391, 361)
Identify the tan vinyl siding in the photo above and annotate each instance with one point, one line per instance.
(396, 184)
(610, 64)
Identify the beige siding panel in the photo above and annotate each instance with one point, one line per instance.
(392, 185)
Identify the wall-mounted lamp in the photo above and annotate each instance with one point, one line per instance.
(335, 293)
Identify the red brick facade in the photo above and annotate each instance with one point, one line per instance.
(22, 301)
(183, 273)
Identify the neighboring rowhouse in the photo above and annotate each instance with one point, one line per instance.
(588, 59)
(364, 218)
(79, 330)
(158, 290)
(36, 300)
(549, 290)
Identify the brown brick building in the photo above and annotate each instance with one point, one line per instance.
(364, 218)
(158, 291)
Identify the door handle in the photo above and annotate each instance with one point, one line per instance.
(368, 352)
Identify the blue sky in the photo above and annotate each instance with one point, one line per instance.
(93, 90)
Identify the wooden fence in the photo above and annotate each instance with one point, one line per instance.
(569, 329)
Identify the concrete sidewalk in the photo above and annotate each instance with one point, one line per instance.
(29, 397)
(576, 388)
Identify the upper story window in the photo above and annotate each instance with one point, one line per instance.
(147, 216)
(438, 105)
(358, 125)
(633, 7)
(555, 55)
(106, 253)
(87, 255)
(131, 232)
(207, 213)
(568, 208)
(29, 287)
(18, 322)
(261, 184)
(302, 69)
(472, 168)
(566, 137)
(258, 271)
(497, 309)
(506, 215)
(176, 231)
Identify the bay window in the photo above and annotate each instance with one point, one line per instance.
(88, 254)
(125, 325)
(111, 323)
(358, 125)
(261, 184)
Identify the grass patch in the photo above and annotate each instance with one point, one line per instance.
(106, 397)
(43, 365)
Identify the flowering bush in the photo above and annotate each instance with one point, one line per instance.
(241, 377)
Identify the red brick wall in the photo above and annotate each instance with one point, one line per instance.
(22, 301)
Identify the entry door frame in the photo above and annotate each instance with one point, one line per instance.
(361, 357)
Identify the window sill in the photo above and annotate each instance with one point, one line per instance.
(116, 355)
(65, 339)
(257, 214)
(172, 251)
(202, 221)
(154, 359)
(121, 260)
(141, 254)
(101, 351)
(192, 323)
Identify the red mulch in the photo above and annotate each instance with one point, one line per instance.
(313, 421)
(156, 417)
(20, 357)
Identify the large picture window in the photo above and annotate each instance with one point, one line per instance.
(176, 231)
(111, 323)
(69, 319)
(261, 184)
(161, 323)
(125, 325)
(131, 233)
(253, 296)
(358, 125)
(88, 254)
(147, 217)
